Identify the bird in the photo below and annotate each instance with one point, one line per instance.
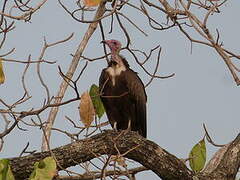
(123, 93)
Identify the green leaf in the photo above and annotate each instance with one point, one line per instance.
(44, 169)
(197, 156)
(5, 170)
(97, 103)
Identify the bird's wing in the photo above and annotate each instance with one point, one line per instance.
(138, 95)
(111, 109)
(102, 80)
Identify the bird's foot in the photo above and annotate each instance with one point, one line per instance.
(125, 131)
(106, 130)
(128, 128)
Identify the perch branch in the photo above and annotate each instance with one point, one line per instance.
(137, 148)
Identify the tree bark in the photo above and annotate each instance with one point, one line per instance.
(144, 151)
(225, 164)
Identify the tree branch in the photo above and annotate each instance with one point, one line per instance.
(225, 163)
(144, 151)
(108, 173)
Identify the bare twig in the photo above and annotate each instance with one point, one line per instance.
(71, 70)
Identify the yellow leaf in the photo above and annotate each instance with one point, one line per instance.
(86, 109)
(121, 161)
(91, 3)
(197, 156)
(2, 77)
(44, 169)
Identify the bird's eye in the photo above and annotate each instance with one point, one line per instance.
(114, 42)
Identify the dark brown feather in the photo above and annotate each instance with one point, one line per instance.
(125, 101)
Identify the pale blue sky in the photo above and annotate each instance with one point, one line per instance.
(202, 91)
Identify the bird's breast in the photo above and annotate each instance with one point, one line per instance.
(114, 71)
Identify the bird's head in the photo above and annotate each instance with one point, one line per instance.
(113, 45)
(116, 59)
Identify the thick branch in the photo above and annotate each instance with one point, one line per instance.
(225, 163)
(108, 173)
(146, 152)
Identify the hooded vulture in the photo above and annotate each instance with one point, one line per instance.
(122, 93)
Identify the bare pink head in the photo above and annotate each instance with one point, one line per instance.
(113, 45)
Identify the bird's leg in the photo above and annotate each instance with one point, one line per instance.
(123, 132)
(115, 126)
(129, 127)
(115, 129)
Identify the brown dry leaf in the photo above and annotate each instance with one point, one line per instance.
(2, 76)
(121, 161)
(91, 3)
(86, 109)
